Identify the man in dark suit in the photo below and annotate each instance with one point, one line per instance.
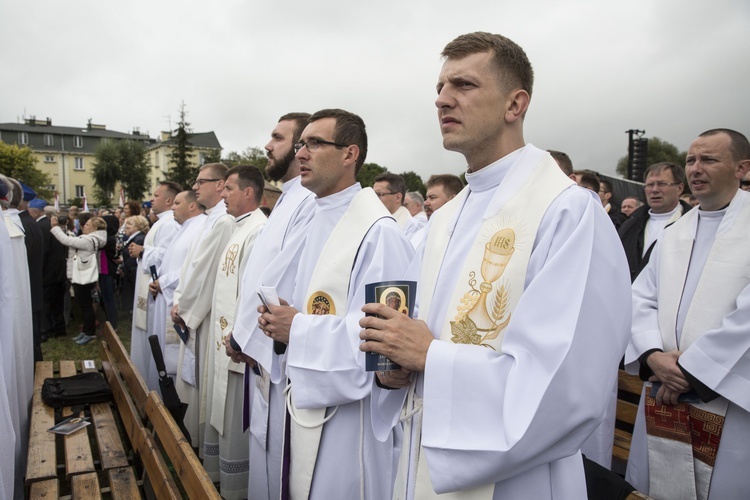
(53, 274)
(35, 256)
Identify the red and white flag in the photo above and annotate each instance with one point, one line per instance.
(122, 198)
(85, 203)
(57, 202)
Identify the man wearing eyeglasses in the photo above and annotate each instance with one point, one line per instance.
(351, 241)
(523, 303)
(691, 311)
(192, 299)
(664, 184)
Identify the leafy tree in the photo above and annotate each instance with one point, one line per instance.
(134, 169)
(20, 164)
(182, 171)
(414, 182)
(121, 161)
(250, 156)
(368, 172)
(106, 171)
(213, 156)
(658, 151)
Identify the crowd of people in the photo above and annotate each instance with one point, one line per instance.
(532, 286)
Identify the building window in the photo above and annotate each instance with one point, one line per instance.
(79, 163)
(78, 141)
(23, 138)
(49, 140)
(50, 187)
(49, 159)
(79, 192)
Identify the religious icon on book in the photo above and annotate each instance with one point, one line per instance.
(398, 295)
(70, 425)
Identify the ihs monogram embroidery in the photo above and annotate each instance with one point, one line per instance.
(473, 323)
(229, 266)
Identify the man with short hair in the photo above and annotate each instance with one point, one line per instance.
(415, 205)
(391, 190)
(605, 194)
(440, 190)
(587, 179)
(563, 161)
(664, 184)
(192, 299)
(225, 449)
(151, 254)
(629, 205)
(188, 213)
(351, 241)
(691, 311)
(500, 405)
(35, 249)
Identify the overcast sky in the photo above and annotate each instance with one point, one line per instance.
(672, 67)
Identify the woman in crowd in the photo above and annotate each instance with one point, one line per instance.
(84, 268)
(135, 232)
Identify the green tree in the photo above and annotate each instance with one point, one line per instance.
(213, 156)
(368, 172)
(20, 164)
(658, 151)
(134, 169)
(250, 156)
(106, 171)
(414, 182)
(182, 171)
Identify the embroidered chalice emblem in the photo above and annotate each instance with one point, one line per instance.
(479, 325)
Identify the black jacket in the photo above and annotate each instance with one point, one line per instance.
(55, 255)
(631, 235)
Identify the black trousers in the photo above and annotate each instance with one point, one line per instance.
(86, 303)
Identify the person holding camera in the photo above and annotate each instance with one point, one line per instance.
(85, 267)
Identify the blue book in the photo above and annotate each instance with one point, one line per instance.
(398, 295)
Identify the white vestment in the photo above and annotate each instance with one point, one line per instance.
(225, 448)
(415, 229)
(154, 246)
(194, 295)
(510, 424)
(169, 277)
(22, 350)
(718, 293)
(266, 264)
(9, 414)
(325, 365)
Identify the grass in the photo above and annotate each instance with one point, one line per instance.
(60, 348)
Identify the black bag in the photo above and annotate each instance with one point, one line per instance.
(84, 388)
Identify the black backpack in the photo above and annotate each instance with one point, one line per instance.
(81, 389)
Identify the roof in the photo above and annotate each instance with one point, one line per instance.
(82, 131)
(197, 140)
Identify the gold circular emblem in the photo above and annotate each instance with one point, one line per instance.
(223, 323)
(320, 303)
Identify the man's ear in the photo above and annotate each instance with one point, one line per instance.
(517, 105)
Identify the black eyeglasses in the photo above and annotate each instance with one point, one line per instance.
(661, 185)
(380, 195)
(201, 182)
(312, 144)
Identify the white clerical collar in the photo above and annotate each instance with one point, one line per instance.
(712, 214)
(290, 183)
(42, 217)
(337, 199)
(164, 214)
(219, 207)
(493, 174)
(665, 216)
(190, 220)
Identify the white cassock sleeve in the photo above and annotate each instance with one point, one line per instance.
(323, 358)
(720, 358)
(195, 295)
(645, 331)
(153, 255)
(490, 416)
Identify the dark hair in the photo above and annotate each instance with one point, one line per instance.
(607, 185)
(350, 129)
(17, 193)
(738, 146)
(452, 184)
(134, 206)
(172, 188)
(563, 161)
(395, 183)
(589, 179)
(300, 122)
(511, 63)
(248, 176)
(678, 172)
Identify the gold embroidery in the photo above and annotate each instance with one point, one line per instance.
(229, 266)
(473, 323)
(223, 322)
(320, 304)
(141, 303)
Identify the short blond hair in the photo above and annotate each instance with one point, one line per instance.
(139, 222)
